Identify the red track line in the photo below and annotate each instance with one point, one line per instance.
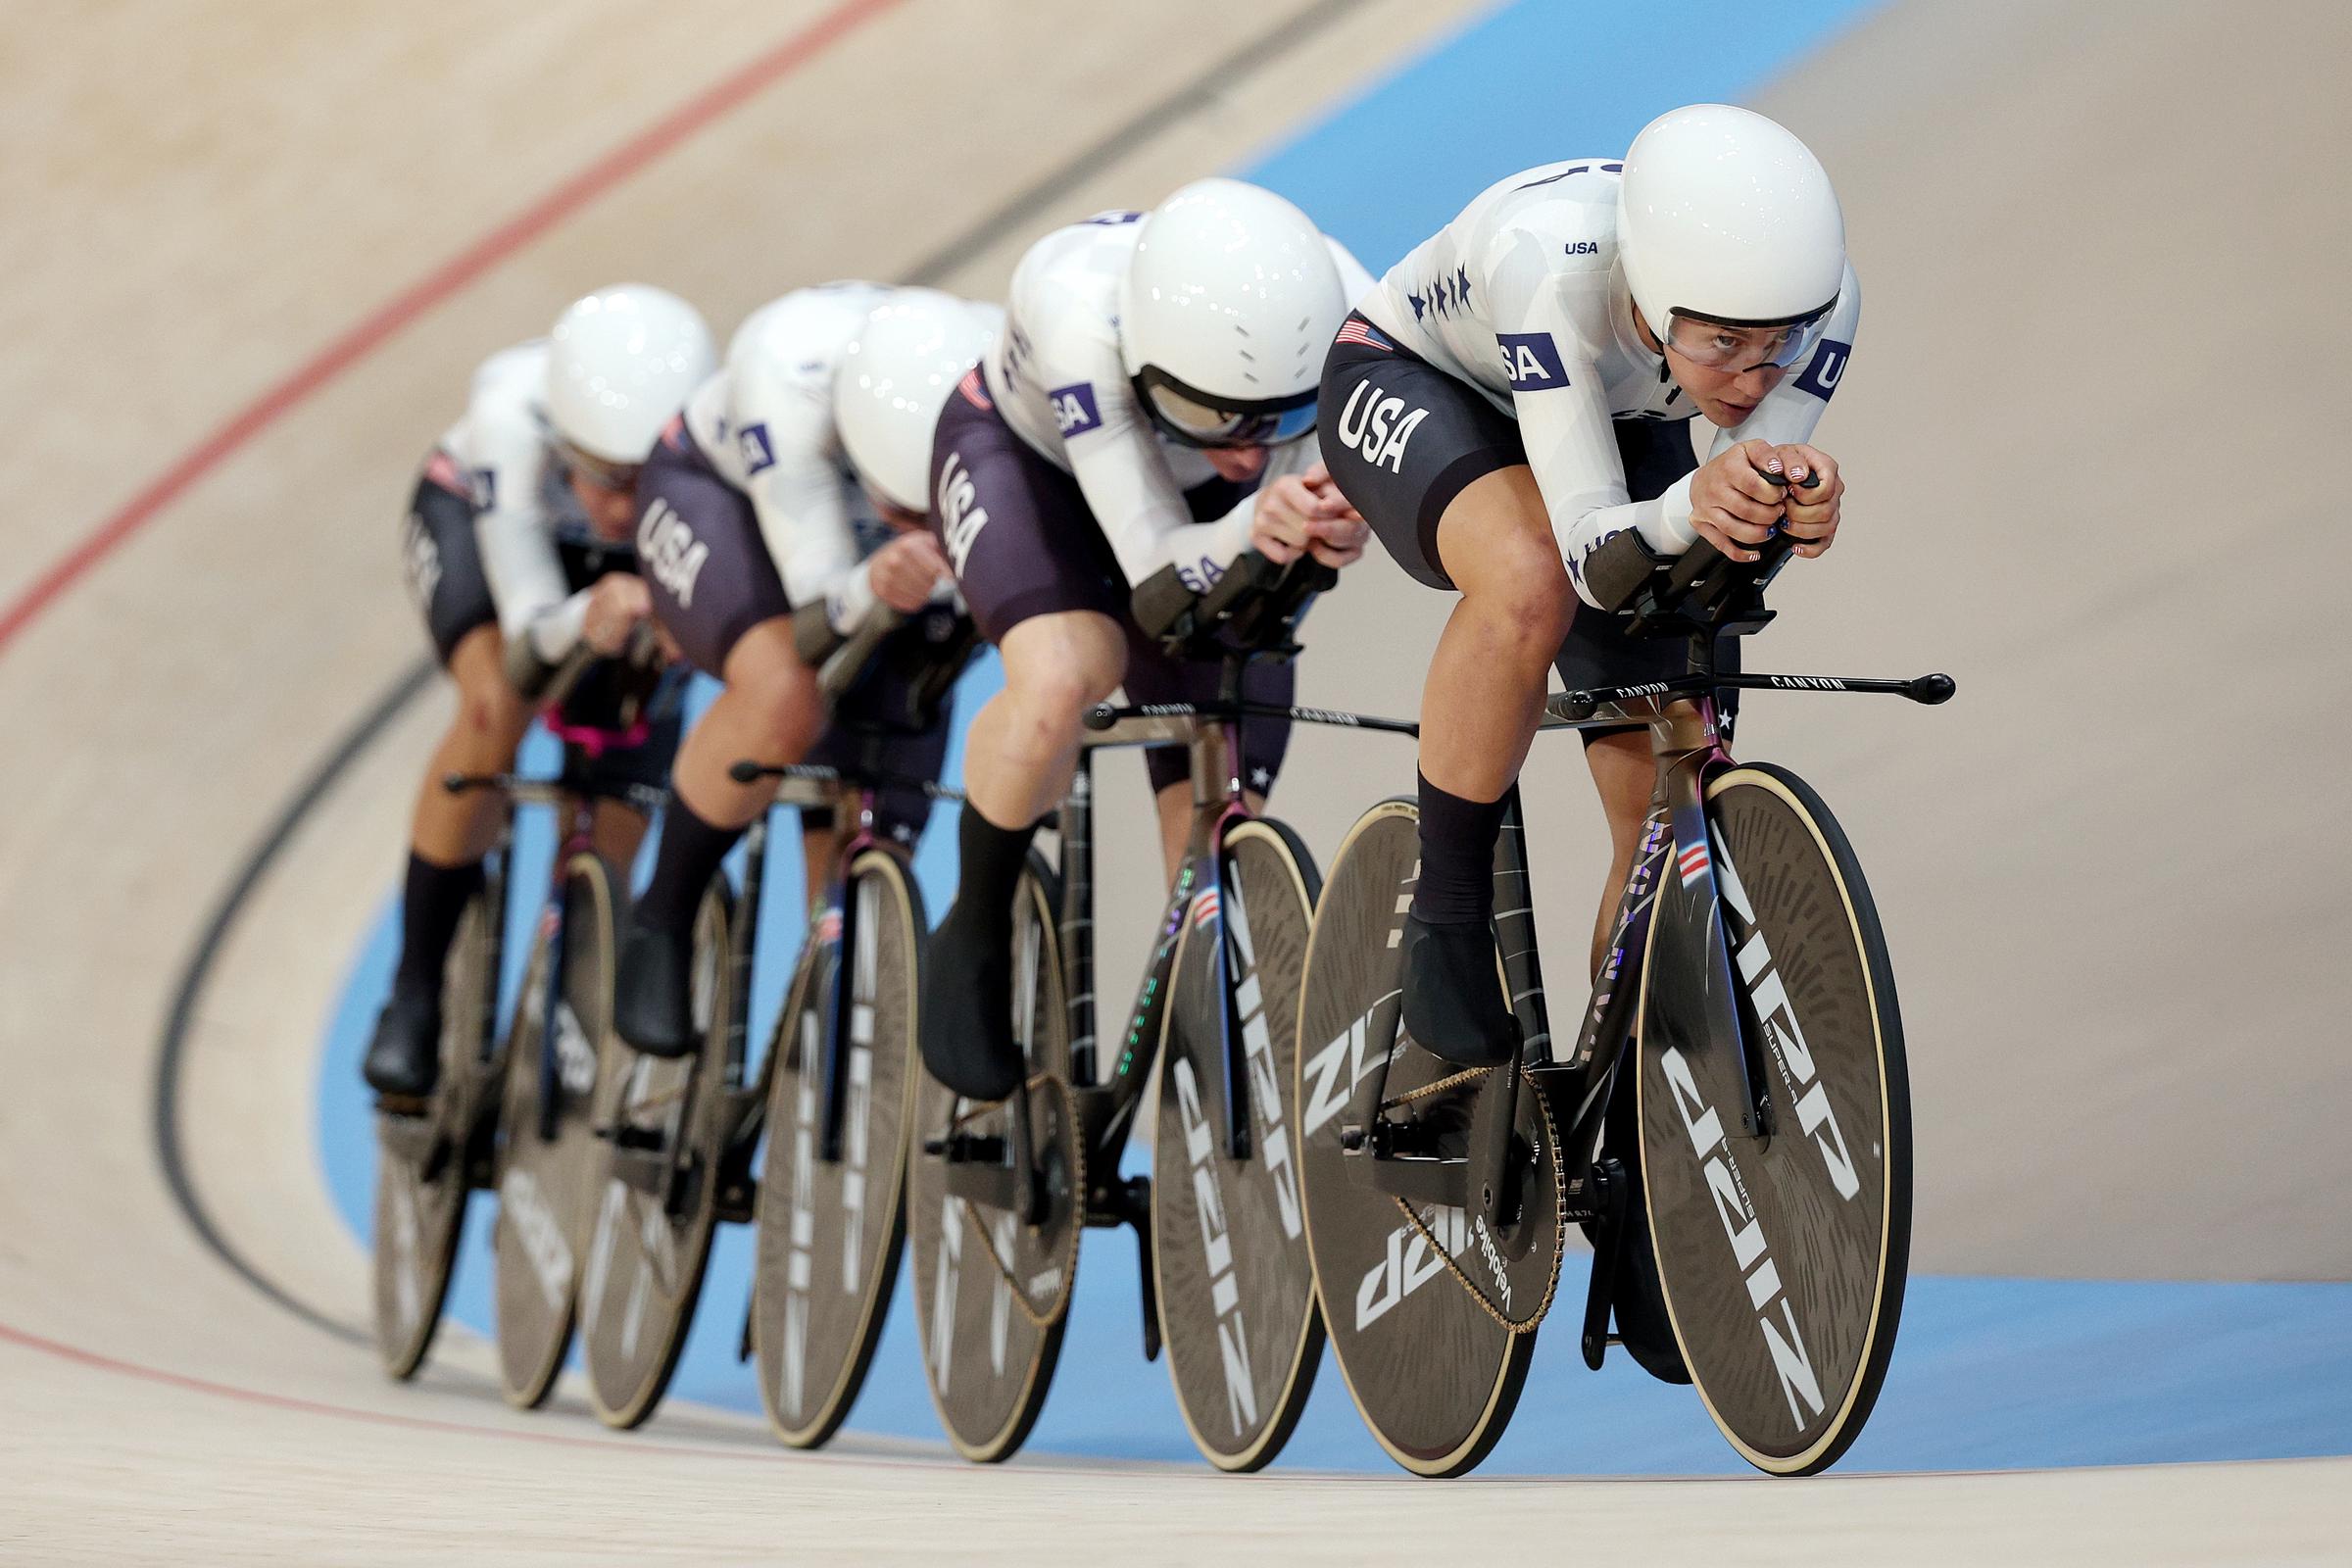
(432, 289)
(417, 1423)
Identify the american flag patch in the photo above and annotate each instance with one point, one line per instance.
(974, 390)
(1693, 863)
(1355, 330)
(1204, 907)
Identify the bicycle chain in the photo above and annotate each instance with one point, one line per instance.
(1559, 1183)
(1020, 1297)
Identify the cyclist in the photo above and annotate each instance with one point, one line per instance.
(517, 554)
(795, 476)
(1143, 419)
(1517, 391)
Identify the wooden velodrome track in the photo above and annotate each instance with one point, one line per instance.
(2104, 251)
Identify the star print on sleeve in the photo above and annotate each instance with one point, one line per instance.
(1420, 305)
(1461, 286)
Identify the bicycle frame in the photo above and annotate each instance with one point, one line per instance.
(808, 785)
(1211, 733)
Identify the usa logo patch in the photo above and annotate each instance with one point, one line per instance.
(1826, 369)
(756, 449)
(1531, 361)
(1074, 408)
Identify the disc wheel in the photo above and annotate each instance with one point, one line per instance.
(831, 1231)
(661, 1141)
(1237, 1286)
(549, 1156)
(1783, 1259)
(991, 1288)
(423, 1177)
(1435, 1373)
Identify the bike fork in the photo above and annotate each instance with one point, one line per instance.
(1695, 949)
(841, 1016)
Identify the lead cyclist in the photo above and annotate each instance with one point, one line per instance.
(1518, 391)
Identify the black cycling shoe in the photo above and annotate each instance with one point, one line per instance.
(403, 1061)
(1454, 1007)
(652, 991)
(967, 1040)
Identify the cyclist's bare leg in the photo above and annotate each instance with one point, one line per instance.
(616, 830)
(770, 713)
(459, 829)
(1488, 678)
(1018, 758)
(448, 836)
(1023, 744)
(1478, 710)
(1624, 773)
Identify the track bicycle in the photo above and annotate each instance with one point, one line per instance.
(999, 1193)
(512, 1115)
(680, 1139)
(1728, 1118)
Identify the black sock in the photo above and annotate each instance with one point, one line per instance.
(1457, 856)
(991, 859)
(684, 864)
(432, 899)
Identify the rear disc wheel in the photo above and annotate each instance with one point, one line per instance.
(421, 1175)
(991, 1288)
(548, 1156)
(661, 1143)
(1433, 1371)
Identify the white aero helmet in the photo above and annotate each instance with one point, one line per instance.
(1227, 309)
(895, 378)
(1724, 218)
(622, 363)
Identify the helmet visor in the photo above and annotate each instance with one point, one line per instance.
(1193, 419)
(600, 473)
(1738, 347)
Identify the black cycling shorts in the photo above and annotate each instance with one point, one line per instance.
(1402, 438)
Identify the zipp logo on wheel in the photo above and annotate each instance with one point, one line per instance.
(1816, 1118)
(1409, 1263)
(1791, 1364)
